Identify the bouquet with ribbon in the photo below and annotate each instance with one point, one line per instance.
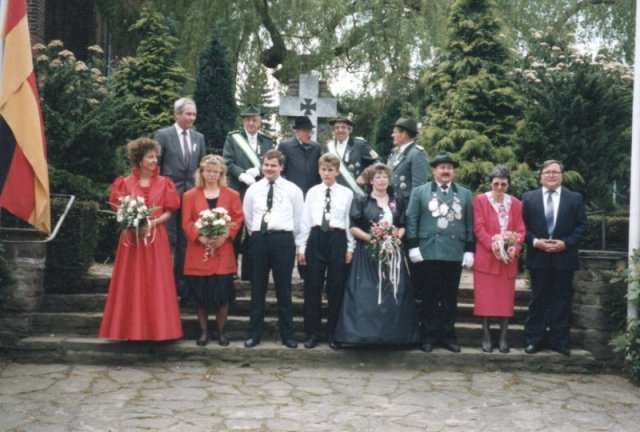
(385, 246)
(133, 214)
(213, 223)
(505, 245)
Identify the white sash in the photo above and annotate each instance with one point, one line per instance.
(344, 171)
(242, 142)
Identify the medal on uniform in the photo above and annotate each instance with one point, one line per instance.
(442, 223)
(433, 205)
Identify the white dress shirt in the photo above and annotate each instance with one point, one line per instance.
(341, 147)
(286, 209)
(253, 141)
(313, 212)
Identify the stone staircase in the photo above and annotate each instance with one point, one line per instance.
(65, 328)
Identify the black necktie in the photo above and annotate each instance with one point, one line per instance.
(444, 189)
(548, 214)
(264, 225)
(185, 145)
(326, 214)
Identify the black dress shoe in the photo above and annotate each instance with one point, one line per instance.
(335, 345)
(426, 347)
(251, 342)
(531, 349)
(564, 351)
(290, 343)
(504, 348)
(223, 341)
(450, 346)
(202, 340)
(312, 342)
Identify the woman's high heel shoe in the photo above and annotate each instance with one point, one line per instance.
(202, 341)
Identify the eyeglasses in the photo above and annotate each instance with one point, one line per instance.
(549, 173)
(499, 184)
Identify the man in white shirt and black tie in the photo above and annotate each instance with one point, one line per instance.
(272, 211)
(325, 247)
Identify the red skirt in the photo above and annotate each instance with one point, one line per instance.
(493, 295)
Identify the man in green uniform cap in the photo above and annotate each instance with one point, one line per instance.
(242, 152)
(355, 154)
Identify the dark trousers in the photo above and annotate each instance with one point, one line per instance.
(437, 294)
(550, 301)
(178, 243)
(275, 252)
(325, 255)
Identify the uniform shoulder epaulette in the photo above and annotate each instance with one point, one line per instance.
(265, 134)
(235, 131)
(419, 147)
(360, 138)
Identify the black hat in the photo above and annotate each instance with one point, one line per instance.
(407, 123)
(250, 111)
(303, 122)
(443, 157)
(341, 119)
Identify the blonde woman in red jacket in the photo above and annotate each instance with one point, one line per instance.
(497, 217)
(210, 263)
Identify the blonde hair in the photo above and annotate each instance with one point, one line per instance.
(215, 161)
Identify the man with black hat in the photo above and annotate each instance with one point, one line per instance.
(355, 154)
(441, 241)
(301, 155)
(242, 152)
(408, 161)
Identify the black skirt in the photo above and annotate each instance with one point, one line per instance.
(209, 292)
(362, 320)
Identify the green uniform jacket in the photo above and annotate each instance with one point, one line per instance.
(410, 170)
(442, 244)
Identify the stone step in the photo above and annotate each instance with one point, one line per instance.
(53, 303)
(88, 323)
(91, 350)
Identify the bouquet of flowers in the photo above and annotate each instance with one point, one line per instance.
(385, 247)
(133, 214)
(213, 223)
(504, 245)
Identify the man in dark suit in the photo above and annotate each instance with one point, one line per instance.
(355, 154)
(242, 152)
(301, 156)
(181, 151)
(556, 222)
(409, 161)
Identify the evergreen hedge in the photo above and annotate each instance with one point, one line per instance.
(70, 254)
(616, 231)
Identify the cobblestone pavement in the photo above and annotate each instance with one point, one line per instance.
(195, 397)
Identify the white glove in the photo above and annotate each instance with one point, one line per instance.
(253, 172)
(246, 179)
(415, 255)
(467, 260)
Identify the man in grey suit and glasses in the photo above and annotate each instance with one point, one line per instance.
(181, 151)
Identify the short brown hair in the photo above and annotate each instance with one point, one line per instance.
(329, 159)
(215, 161)
(137, 148)
(551, 162)
(274, 154)
(374, 169)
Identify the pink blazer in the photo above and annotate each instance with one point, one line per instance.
(485, 226)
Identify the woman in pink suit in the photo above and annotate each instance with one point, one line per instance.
(210, 263)
(496, 264)
(142, 303)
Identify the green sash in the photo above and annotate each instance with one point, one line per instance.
(244, 145)
(344, 171)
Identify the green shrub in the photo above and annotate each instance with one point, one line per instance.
(616, 231)
(71, 253)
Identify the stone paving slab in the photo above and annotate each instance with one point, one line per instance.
(188, 396)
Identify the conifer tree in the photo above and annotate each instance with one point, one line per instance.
(255, 90)
(152, 80)
(472, 107)
(215, 94)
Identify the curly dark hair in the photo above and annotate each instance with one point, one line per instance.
(137, 148)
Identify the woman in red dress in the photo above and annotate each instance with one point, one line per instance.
(495, 268)
(210, 264)
(142, 303)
